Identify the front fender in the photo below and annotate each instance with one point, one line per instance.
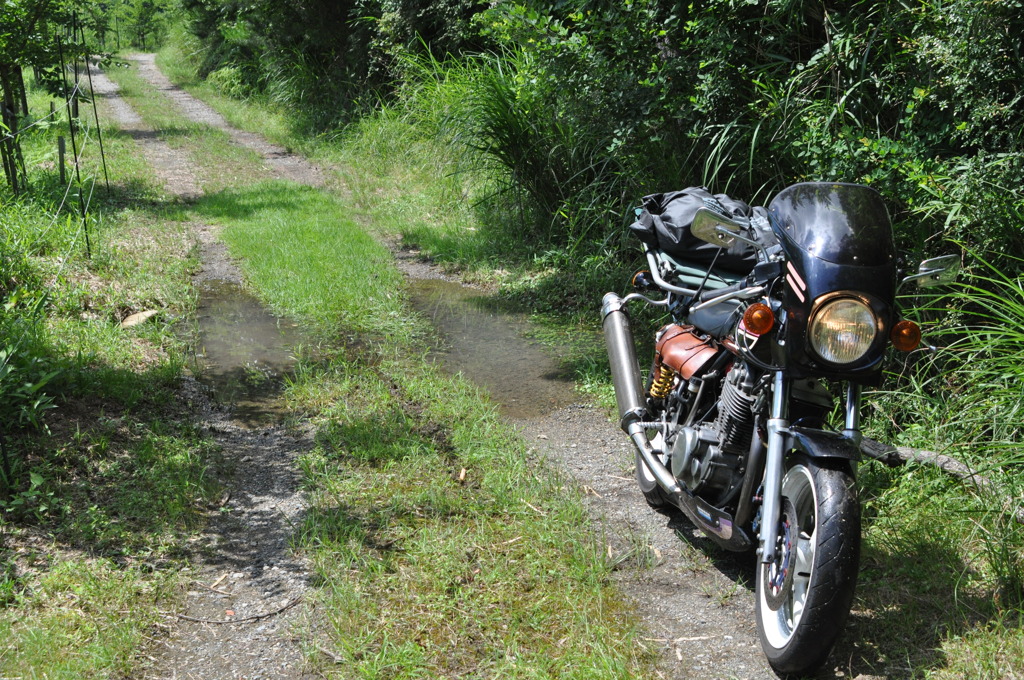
(823, 443)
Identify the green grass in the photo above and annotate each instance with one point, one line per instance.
(301, 248)
(263, 117)
(442, 548)
(944, 564)
(423, 573)
(85, 618)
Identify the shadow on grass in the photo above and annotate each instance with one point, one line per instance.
(352, 537)
(917, 588)
(132, 192)
(397, 432)
(168, 134)
(119, 471)
(242, 204)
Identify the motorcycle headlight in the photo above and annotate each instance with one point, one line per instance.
(842, 331)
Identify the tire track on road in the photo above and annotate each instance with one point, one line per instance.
(244, 567)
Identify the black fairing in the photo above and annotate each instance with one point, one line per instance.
(838, 242)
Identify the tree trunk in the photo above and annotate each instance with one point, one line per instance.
(10, 118)
(19, 79)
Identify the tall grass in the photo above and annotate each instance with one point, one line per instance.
(565, 181)
(966, 399)
(977, 372)
(548, 177)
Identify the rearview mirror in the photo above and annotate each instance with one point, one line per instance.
(938, 271)
(715, 229)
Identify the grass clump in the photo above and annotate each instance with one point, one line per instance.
(86, 618)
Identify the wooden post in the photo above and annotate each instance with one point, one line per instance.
(9, 167)
(74, 146)
(23, 91)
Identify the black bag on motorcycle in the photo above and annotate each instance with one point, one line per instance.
(663, 222)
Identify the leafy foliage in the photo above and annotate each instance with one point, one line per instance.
(322, 58)
(585, 106)
(870, 91)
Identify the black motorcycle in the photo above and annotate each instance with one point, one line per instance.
(774, 311)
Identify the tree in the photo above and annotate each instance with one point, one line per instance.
(98, 18)
(145, 20)
(21, 44)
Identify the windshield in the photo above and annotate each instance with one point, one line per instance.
(841, 223)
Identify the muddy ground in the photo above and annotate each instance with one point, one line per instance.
(695, 601)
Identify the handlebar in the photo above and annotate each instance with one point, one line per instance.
(725, 290)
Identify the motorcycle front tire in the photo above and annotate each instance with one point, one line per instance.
(804, 596)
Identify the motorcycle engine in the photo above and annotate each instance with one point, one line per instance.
(707, 456)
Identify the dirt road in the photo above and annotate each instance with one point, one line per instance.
(695, 601)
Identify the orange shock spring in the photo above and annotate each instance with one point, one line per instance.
(662, 384)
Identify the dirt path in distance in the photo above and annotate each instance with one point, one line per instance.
(281, 163)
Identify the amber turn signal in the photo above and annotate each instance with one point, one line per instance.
(905, 336)
(758, 319)
(642, 280)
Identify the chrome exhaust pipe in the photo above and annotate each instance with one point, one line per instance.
(618, 338)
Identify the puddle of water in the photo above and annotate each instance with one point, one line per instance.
(243, 351)
(489, 348)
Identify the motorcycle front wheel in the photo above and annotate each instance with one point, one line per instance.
(804, 595)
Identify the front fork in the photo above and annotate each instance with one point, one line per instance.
(778, 445)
